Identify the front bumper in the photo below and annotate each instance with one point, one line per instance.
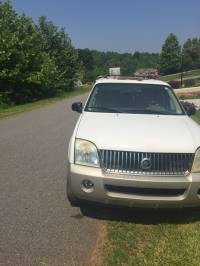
(187, 186)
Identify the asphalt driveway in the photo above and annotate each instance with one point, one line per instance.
(37, 225)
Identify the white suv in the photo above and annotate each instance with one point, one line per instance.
(134, 145)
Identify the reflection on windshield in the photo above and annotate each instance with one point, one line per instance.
(133, 98)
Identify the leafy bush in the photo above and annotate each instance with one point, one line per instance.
(175, 84)
(189, 82)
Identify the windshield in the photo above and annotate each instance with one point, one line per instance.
(133, 98)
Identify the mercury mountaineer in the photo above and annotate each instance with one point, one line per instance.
(134, 144)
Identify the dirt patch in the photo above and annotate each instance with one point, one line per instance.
(96, 257)
(187, 91)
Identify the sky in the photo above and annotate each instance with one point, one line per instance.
(118, 25)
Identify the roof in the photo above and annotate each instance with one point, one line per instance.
(130, 80)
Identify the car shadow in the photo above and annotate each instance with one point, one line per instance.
(141, 215)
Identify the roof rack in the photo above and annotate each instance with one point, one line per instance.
(121, 77)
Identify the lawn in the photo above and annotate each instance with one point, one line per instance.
(187, 74)
(12, 110)
(153, 237)
(196, 117)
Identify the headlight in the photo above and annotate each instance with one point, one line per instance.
(196, 163)
(86, 153)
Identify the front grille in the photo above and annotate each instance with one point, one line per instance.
(158, 192)
(146, 162)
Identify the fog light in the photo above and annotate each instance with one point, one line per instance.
(87, 184)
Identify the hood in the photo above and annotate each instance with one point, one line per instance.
(140, 132)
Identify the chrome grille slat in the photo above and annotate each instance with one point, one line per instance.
(106, 160)
(110, 159)
(114, 158)
(113, 161)
(138, 160)
(122, 161)
(126, 160)
(118, 160)
(157, 159)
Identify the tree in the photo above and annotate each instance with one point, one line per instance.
(170, 55)
(8, 43)
(96, 63)
(58, 45)
(191, 52)
(22, 59)
(36, 61)
(87, 60)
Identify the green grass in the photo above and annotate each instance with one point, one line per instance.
(39, 261)
(189, 96)
(197, 83)
(153, 237)
(187, 74)
(196, 117)
(12, 110)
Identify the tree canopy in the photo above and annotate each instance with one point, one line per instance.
(191, 54)
(97, 63)
(36, 60)
(170, 57)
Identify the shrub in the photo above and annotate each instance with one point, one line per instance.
(189, 82)
(175, 84)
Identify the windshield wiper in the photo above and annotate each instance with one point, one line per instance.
(128, 111)
(110, 110)
(150, 111)
(160, 112)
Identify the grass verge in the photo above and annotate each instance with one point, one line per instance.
(196, 117)
(187, 74)
(153, 237)
(12, 110)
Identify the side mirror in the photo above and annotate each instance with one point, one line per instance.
(191, 110)
(78, 107)
(189, 107)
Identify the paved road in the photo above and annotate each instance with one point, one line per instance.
(37, 225)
